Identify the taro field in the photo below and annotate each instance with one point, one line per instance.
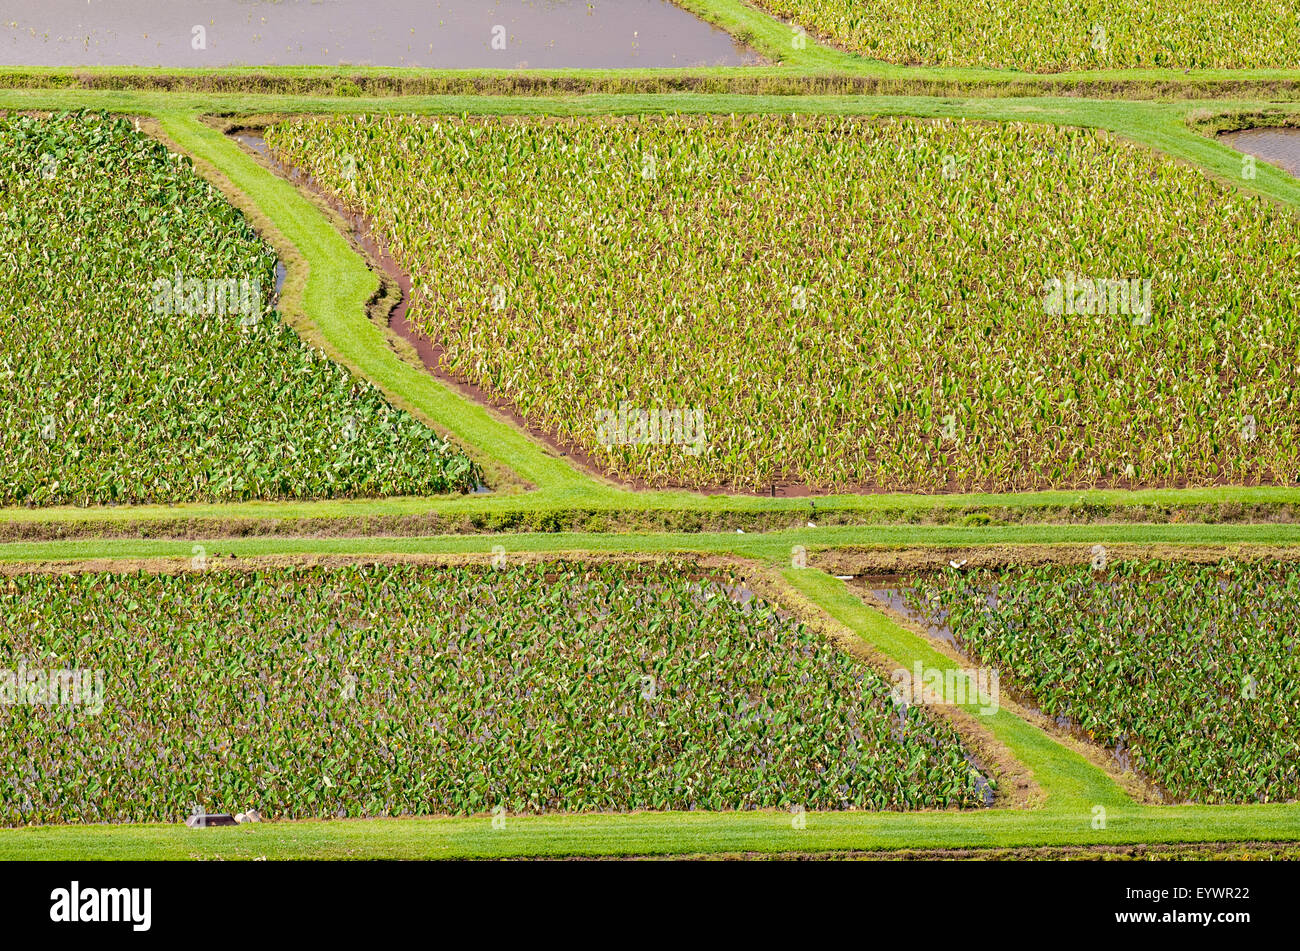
(1191, 672)
(141, 355)
(1038, 307)
(404, 460)
(1051, 36)
(405, 690)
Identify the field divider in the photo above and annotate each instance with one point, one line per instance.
(1068, 779)
(645, 833)
(1077, 507)
(771, 547)
(338, 287)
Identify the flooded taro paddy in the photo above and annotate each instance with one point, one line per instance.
(1280, 147)
(537, 34)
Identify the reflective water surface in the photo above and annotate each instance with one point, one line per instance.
(1280, 147)
(431, 33)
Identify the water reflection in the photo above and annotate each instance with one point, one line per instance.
(430, 33)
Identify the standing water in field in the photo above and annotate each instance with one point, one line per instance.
(428, 33)
(1280, 147)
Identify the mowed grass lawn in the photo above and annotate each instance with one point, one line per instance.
(1056, 36)
(846, 303)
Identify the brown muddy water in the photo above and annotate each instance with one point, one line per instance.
(431, 33)
(1280, 147)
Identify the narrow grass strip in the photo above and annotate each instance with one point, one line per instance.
(650, 834)
(1091, 504)
(1069, 780)
(339, 284)
(772, 547)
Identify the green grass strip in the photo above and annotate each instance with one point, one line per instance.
(772, 547)
(652, 834)
(602, 498)
(1070, 782)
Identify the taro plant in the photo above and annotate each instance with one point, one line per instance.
(399, 689)
(141, 359)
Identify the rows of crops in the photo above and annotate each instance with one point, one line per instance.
(1192, 670)
(140, 358)
(844, 303)
(1049, 35)
(387, 690)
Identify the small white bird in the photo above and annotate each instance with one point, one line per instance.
(957, 564)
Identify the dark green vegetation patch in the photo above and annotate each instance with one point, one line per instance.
(397, 690)
(140, 360)
(1192, 670)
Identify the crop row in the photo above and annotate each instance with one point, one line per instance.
(1191, 671)
(1051, 36)
(140, 357)
(397, 690)
(845, 303)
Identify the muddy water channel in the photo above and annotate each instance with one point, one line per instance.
(430, 33)
(1280, 147)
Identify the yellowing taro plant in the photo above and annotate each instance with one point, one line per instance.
(139, 357)
(398, 690)
(1193, 671)
(846, 303)
(1053, 35)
